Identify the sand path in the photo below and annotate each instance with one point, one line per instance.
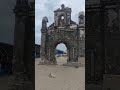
(66, 78)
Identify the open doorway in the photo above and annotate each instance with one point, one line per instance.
(61, 54)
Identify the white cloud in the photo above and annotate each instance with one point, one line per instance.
(46, 8)
(61, 47)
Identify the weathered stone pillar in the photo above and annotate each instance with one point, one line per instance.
(43, 38)
(42, 49)
(23, 60)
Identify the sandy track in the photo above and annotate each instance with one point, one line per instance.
(67, 78)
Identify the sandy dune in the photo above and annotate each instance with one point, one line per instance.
(66, 78)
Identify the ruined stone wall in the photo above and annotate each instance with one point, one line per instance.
(102, 37)
(63, 30)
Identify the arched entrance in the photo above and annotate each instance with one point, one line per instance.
(51, 48)
(61, 54)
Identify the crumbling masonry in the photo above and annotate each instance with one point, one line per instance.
(63, 30)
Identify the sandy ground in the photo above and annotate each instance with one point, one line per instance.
(66, 78)
(4, 82)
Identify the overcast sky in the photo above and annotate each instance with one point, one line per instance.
(47, 8)
(7, 21)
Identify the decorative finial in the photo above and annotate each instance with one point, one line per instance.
(62, 6)
(45, 19)
(44, 24)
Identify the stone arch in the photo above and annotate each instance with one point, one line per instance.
(67, 46)
(51, 46)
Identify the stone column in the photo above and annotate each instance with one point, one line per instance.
(22, 78)
(19, 80)
(42, 49)
(43, 38)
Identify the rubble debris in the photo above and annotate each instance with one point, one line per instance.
(52, 75)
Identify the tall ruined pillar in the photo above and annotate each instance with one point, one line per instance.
(22, 78)
(81, 19)
(43, 38)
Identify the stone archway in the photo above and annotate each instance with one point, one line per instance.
(61, 54)
(61, 37)
(51, 51)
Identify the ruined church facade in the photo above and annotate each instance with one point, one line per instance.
(63, 30)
